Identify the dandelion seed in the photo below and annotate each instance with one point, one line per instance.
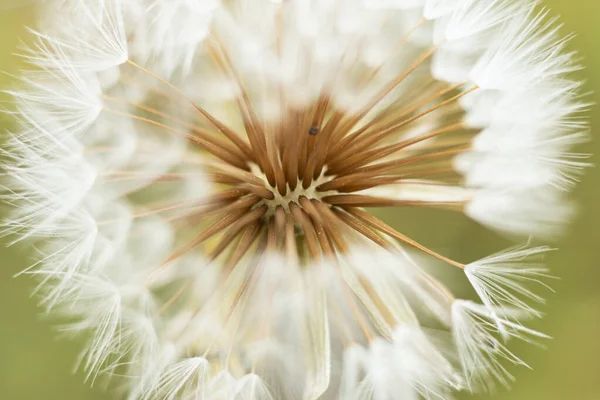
(501, 280)
(196, 178)
(480, 352)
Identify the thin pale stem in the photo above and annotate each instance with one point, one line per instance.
(363, 158)
(343, 144)
(310, 235)
(218, 124)
(378, 225)
(378, 135)
(359, 200)
(212, 148)
(245, 153)
(358, 116)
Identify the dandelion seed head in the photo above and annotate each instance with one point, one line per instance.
(197, 177)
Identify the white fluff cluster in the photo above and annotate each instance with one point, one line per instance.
(103, 166)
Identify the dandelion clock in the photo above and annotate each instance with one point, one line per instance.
(198, 180)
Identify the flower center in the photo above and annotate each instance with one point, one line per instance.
(293, 195)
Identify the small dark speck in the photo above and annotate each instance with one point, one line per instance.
(490, 343)
(313, 131)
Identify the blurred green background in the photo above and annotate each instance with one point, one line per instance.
(34, 365)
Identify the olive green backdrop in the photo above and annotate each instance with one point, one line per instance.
(34, 365)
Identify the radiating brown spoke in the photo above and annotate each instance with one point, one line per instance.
(356, 225)
(254, 129)
(368, 183)
(347, 126)
(231, 135)
(219, 205)
(379, 225)
(173, 299)
(278, 170)
(247, 238)
(360, 159)
(332, 225)
(212, 230)
(209, 146)
(342, 145)
(376, 169)
(239, 174)
(236, 227)
(261, 192)
(125, 176)
(227, 195)
(391, 165)
(303, 221)
(343, 181)
(374, 137)
(291, 161)
(291, 247)
(357, 200)
(316, 159)
(199, 132)
(219, 152)
(317, 222)
(272, 236)
(310, 209)
(195, 217)
(177, 206)
(219, 125)
(243, 203)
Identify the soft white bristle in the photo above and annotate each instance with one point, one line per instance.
(480, 353)
(197, 178)
(503, 279)
(524, 212)
(95, 42)
(185, 379)
(473, 16)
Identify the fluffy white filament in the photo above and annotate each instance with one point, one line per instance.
(105, 172)
(480, 352)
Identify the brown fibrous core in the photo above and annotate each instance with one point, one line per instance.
(296, 186)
